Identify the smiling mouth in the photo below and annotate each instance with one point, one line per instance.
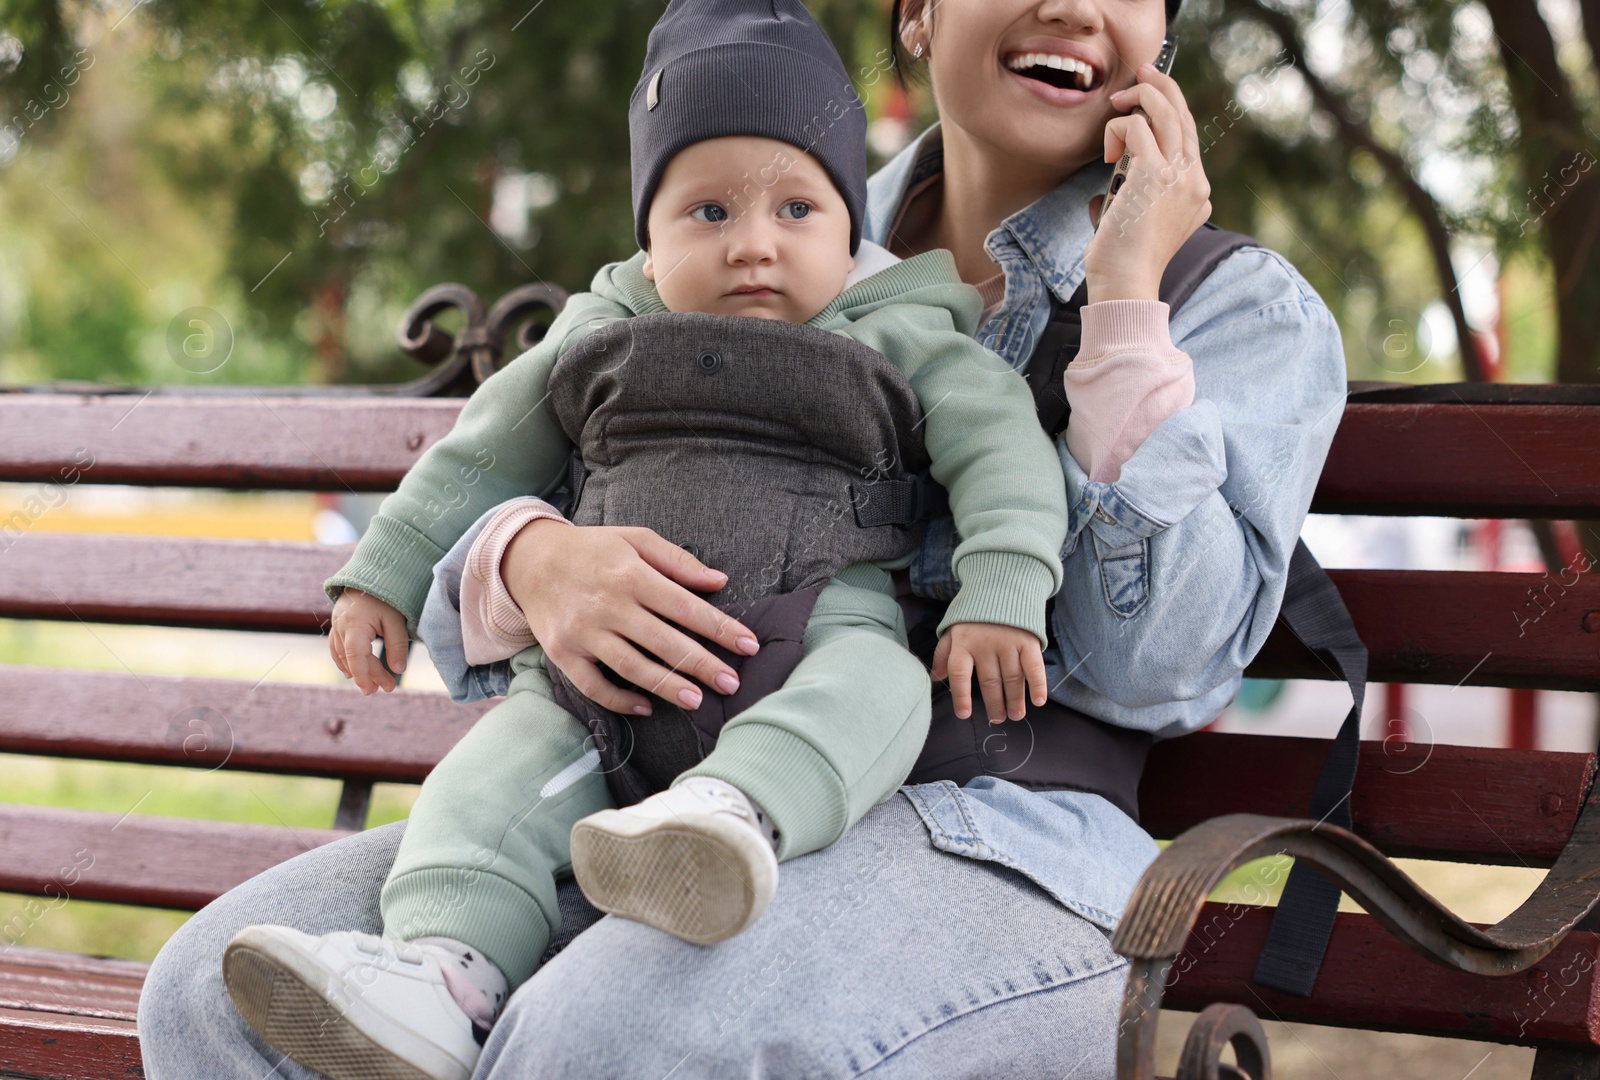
(1061, 72)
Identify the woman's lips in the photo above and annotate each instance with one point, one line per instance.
(754, 292)
(1054, 95)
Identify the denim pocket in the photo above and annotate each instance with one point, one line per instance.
(1124, 574)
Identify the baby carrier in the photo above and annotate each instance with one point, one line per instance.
(780, 454)
(776, 452)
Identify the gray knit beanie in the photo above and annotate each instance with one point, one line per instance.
(745, 67)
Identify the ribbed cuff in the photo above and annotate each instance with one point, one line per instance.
(501, 920)
(1002, 587)
(1113, 326)
(796, 786)
(393, 562)
(493, 625)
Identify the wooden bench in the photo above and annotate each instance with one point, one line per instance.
(1508, 453)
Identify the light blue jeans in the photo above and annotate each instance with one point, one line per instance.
(879, 955)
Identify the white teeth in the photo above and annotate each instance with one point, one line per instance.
(1023, 61)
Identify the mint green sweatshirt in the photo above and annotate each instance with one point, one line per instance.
(1007, 492)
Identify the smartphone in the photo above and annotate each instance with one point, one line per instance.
(1163, 63)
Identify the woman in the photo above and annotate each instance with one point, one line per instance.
(956, 931)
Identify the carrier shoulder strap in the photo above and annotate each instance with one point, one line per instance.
(1063, 333)
(1312, 610)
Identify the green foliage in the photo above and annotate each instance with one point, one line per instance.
(306, 168)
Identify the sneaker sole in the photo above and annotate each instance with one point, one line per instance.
(274, 993)
(697, 884)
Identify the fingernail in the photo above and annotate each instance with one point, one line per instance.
(747, 645)
(726, 683)
(716, 573)
(641, 710)
(689, 699)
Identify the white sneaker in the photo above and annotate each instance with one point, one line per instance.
(352, 1006)
(691, 860)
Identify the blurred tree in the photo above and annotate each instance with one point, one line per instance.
(346, 153)
(408, 141)
(1475, 117)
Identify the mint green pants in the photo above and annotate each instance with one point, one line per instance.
(489, 834)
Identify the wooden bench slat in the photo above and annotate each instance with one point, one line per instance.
(57, 982)
(1369, 979)
(1450, 802)
(336, 444)
(206, 724)
(1489, 629)
(1446, 627)
(170, 581)
(1458, 460)
(1457, 803)
(253, 442)
(35, 1044)
(137, 859)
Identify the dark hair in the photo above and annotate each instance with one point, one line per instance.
(904, 61)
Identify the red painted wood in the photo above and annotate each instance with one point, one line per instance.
(1461, 803)
(37, 1044)
(69, 984)
(1370, 980)
(167, 581)
(1484, 460)
(1492, 629)
(258, 441)
(208, 724)
(138, 859)
(1522, 725)
(1486, 629)
(70, 1016)
(1460, 460)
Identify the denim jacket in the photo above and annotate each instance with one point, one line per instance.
(1174, 572)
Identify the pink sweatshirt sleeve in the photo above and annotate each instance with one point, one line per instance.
(1126, 380)
(493, 627)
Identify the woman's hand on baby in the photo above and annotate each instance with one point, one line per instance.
(1007, 661)
(603, 593)
(1164, 199)
(359, 619)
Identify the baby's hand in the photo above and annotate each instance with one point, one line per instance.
(358, 619)
(1006, 660)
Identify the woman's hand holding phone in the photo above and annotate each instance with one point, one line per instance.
(1165, 198)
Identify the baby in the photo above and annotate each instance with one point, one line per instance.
(749, 181)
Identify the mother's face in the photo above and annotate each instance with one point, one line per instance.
(990, 80)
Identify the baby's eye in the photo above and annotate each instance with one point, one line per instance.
(804, 208)
(715, 211)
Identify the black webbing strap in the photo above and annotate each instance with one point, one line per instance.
(577, 473)
(1303, 921)
(897, 502)
(1311, 609)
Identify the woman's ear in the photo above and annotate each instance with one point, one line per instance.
(914, 28)
(647, 269)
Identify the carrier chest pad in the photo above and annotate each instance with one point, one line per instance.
(739, 438)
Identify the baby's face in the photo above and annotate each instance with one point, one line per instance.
(742, 213)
